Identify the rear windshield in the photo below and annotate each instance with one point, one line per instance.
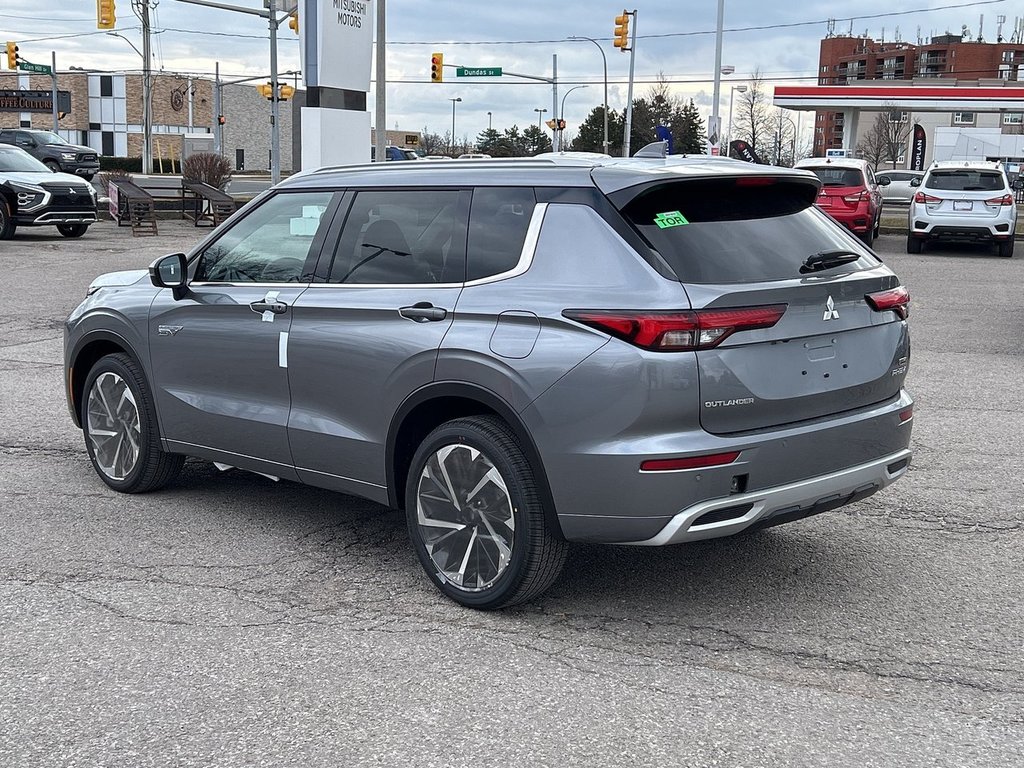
(837, 177)
(966, 180)
(713, 231)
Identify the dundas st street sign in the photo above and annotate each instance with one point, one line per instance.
(15, 100)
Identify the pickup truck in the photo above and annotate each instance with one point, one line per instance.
(53, 151)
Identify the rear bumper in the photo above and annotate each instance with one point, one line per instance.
(858, 220)
(782, 504)
(972, 228)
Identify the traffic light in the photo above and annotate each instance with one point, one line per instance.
(12, 55)
(437, 67)
(266, 90)
(105, 18)
(221, 120)
(284, 92)
(621, 40)
(293, 21)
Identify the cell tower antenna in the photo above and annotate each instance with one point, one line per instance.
(1000, 20)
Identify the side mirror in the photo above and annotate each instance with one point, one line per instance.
(170, 272)
(885, 181)
(915, 182)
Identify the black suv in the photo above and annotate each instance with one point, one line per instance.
(33, 196)
(53, 151)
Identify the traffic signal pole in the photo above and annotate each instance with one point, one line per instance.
(629, 92)
(53, 73)
(275, 130)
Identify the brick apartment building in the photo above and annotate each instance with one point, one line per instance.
(106, 114)
(851, 60)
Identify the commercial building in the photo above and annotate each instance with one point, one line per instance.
(106, 114)
(945, 60)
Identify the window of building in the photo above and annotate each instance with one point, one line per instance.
(1007, 56)
(898, 117)
(1013, 118)
(963, 118)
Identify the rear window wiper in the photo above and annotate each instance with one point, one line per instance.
(828, 259)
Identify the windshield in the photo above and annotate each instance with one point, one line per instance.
(966, 180)
(14, 160)
(47, 137)
(838, 177)
(723, 231)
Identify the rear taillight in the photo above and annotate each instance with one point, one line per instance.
(906, 414)
(862, 195)
(677, 331)
(895, 299)
(690, 462)
(1004, 200)
(921, 197)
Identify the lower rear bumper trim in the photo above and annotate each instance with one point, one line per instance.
(781, 504)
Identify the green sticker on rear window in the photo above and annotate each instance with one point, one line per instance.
(670, 219)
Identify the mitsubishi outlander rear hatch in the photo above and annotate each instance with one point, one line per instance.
(791, 317)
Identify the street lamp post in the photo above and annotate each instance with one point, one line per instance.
(489, 127)
(604, 59)
(562, 111)
(451, 147)
(732, 92)
(540, 117)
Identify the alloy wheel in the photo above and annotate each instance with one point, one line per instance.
(465, 517)
(113, 426)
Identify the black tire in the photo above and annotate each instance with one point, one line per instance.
(537, 555)
(53, 165)
(76, 229)
(154, 467)
(88, 176)
(7, 226)
(878, 225)
(914, 244)
(1005, 248)
(868, 237)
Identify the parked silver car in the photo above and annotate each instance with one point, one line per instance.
(963, 201)
(518, 353)
(899, 190)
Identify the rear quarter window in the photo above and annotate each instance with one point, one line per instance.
(721, 231)
(498, 221)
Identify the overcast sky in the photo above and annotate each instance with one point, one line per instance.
(675, 38)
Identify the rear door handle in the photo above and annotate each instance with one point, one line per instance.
(274, 307)
(423, 312)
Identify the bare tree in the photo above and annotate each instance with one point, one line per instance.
(892, 127)
(872, 146)
(753, 117)
(780, 141)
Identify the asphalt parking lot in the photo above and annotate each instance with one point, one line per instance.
(232, 621)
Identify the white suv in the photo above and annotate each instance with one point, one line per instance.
(963, 200)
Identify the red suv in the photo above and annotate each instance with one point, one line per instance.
(850, 193)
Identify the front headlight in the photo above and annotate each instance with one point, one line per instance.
(29, 196)
(67, 155)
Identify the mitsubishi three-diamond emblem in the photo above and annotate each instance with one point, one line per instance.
(831, 313)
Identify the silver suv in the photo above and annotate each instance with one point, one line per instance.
(518, 353)
(963, 201)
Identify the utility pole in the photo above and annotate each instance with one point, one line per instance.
(380, 134)
(716, 127)
(275, 130)
(53, 72)
(629, 93)
(147, 90)
(218, 129)
(556, 135)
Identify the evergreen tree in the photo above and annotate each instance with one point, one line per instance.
(590, 137)
(688, 130)
(486, 140)
(536, 141)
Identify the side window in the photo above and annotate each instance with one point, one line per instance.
(402, 237)
(498, 221)
(270, 245)
(871, 177)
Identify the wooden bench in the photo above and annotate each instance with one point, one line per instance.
(133, 204)
(209, 204)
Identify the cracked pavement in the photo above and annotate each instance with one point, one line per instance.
(233, 621)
